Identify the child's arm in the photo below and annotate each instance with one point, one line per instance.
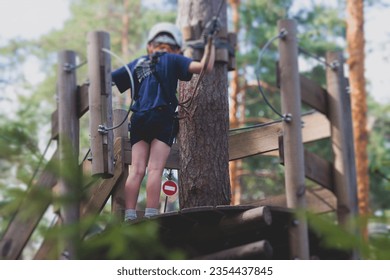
(207, 61)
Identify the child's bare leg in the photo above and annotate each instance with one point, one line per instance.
(159, 152)
(139, 158)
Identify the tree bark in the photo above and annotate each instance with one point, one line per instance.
(355, 41)
(203, 134)
(125, 30)
(235, 166)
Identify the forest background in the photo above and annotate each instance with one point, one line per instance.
(27, 104)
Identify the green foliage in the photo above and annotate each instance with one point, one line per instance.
(334, 236)
(124, 241)
(379, 156)
(320, 29)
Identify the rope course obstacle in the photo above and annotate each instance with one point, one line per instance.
(268, 229)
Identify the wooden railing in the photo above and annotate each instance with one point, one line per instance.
(110, 159)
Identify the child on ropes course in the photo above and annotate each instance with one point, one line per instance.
(153, 125)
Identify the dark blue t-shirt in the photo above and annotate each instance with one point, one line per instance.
(149, 93)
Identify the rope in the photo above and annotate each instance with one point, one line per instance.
(102, 129)
(86, 155)
(281, 34)
(254, 126)
(209, 32)
(266, 124)
(69, 67)
(332, 65)
(187, 103)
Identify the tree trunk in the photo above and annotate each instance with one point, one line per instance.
(236, 165)
(355, 41)
(203, 134)
(125, 15)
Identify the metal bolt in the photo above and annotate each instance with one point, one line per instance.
(283, 33)
(68, 67)
(334, 65)
(287, 117)
(102, 129)
(295, 222)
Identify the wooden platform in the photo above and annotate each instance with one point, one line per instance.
(233, 232)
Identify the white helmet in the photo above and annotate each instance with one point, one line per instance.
(166, 27)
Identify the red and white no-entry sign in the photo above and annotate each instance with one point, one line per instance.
(169, 188)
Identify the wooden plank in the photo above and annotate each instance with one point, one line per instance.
(314, 95)
(319, 200)
(82, 108)
(253, 142)
(319, 170)
(102, 192)
(172, 161)
(30, 212)
(98, 198)
(243, 144)
(256, 250)
(261, 140)
(82, 99)
(342, 140)
(315, 127)
(54, 125)
(118, 195)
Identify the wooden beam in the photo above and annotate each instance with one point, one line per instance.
(68, 146)
(319, 170)
(292, 136)
(54, 125)
(100, 104)
(315, 127)
(256, 250)
(316, 168)
(342, 140)
(263, 140)
(101, 194)
(118, 194)
(249, 219)
(172, 161)
(314, 95)
(98, 197)
(82, 99)
(30, 212)
(319, 200)
(260, 140)
(82, 108)
(256, 141)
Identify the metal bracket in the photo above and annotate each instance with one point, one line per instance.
(334, 65)
(283, 33)
(102, 129)
(68, 67)
(287, 117)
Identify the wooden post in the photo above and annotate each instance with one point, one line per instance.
(100, 104)
(118, 194)
(292, 138)
(69, 188)
(342, 139)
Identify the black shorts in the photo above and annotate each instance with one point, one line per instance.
(158, 123)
